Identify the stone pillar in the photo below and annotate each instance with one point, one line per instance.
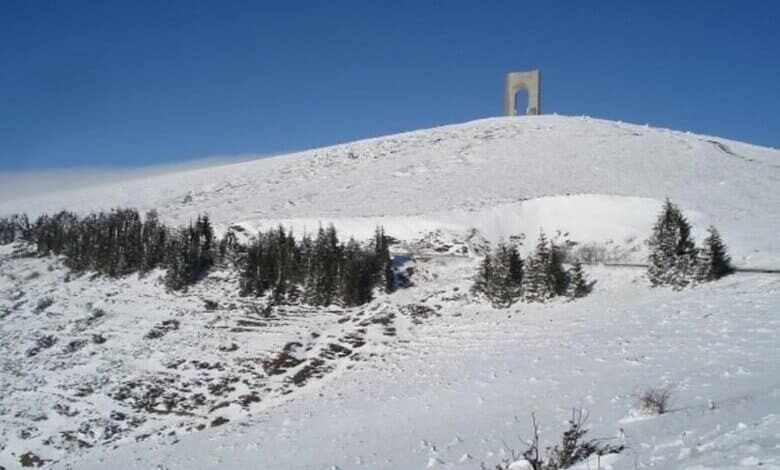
(530, 81)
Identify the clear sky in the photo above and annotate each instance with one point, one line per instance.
(136, 83)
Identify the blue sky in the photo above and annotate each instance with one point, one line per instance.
(139, 83)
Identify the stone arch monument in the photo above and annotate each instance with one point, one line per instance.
(530, 81)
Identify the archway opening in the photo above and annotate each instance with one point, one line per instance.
(521, 101)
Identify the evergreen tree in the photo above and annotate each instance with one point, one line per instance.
(507, 275)
(558, 276)
(540, 281)
(500, 276)
(357, 276)
(515, 265)
(227, 253)
(154, 237)
(713, 262)
(323, 280)
(128, 243)
(383, 262)
(483, 281)
(672, 259)
(252, 276)
(205, 242)
(176, 260)
(189, 254)
(578, 284)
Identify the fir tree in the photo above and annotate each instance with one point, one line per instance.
(578, 284)
(251, 273)
(672, 259)
(507, 276)
(357, 276)
(713, 262)
(500, 275)
(227, 252)
(203, 243)
(383, 262)
(540, 280)
(154, 237)
(324, 278)
(177, 252)
(189, 254)
(558, 277)
(483, 280)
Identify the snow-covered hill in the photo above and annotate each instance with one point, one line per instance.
(476, 166)
(97, 372)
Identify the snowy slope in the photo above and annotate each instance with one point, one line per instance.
(472, 166)
(460, 390)
(122, 373)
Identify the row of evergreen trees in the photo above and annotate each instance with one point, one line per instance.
(120, 242)
(504, 278)
(674, 259)
(322, 270)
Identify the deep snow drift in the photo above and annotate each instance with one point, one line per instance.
(96, 371)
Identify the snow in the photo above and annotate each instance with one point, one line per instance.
(427, 377)
(466, 167)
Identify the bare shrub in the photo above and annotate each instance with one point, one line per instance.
(158, 331)
(44, 342)
(654, 401)
(572, 449)
(43, 304)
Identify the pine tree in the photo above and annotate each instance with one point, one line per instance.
(357, 275)
(383, 262)
(177, 252)
(507, 276)
(539, 285)
(483, 280)
(322, 283)
(204, 243)
(672, 259)
(153, 235)
(500, 276)
(515, 269)
(578, 284)
(713, 261)
(559, 280)
(249, 280)
(228, 250)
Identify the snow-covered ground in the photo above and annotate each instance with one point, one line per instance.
(122, 373)
(458, 389)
